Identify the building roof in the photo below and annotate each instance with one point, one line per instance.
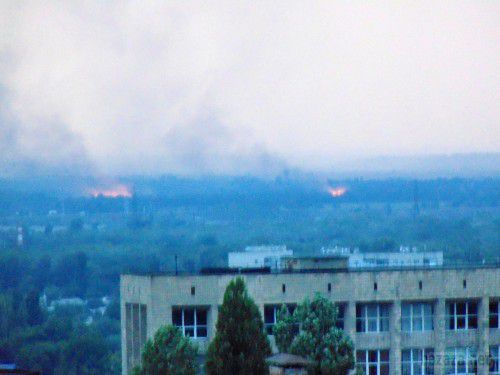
(265, 270)
(287, 360)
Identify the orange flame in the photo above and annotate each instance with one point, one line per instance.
(116, 191)
(337, 191)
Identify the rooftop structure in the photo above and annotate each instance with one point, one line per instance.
(259, 256)
(406, 257)
(428, 319)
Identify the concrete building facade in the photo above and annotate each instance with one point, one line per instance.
(402, 321)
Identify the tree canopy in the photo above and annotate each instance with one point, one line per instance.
(169, 353)
(240, 345)
(319, 339)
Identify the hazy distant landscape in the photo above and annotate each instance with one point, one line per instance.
(157, 137)
(80, 234)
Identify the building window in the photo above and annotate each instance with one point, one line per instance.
(461, 361)
(495, 360)
(494, 313)
(375, 286)
(193, 291)
(329, 287)
(271, 315)
(373, 362)
(417, 316)
(372, 317)
(420, 285)
(340, 316)
(417, 362)
(461, 315)
(135, 332)
(191, 320)
(283, 288)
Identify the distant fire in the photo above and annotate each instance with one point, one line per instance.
(337, 191)
(115, 191)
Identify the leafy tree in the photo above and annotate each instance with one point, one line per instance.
(39, 356)
(34, 314)
(284, 330)
(72, 273)
(85, 353)
(319, 340)
(41, 271)
(76, 225)
(169, 353)
(240, 345)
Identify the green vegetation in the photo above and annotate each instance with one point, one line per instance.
(55, 343)
(169, 353)
(319, 340)
(77, 247)
(240, 345)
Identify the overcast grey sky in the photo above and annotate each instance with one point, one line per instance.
(231, 87)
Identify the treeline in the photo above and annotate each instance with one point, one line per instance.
(55, 343)
(245, 192)
(37, 333)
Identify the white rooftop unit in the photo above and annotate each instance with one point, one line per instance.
(400, 259)
(259, 256)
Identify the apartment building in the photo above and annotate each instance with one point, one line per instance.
(428, 320)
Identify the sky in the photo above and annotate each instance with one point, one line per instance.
(237, 87)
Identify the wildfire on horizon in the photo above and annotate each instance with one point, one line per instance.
(115, 191)
(337, 191)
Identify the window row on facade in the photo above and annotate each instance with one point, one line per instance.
(420, 361)
(370, 317)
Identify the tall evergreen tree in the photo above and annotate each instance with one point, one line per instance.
(240, 345)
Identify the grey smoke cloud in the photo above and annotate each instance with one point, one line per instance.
(244, 87)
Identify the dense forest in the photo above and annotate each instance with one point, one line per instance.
(65, 241)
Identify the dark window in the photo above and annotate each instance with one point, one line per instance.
(329, 287)
(465, 283)
(283, 288)
(340, 316)
(177, 317)
(462, 315)
(192, 321)
(417, 361)
(494, 312)
(193, 291)
(373, 362)
(375, 286)
(372, 317)
(271, 316)
(420, 285)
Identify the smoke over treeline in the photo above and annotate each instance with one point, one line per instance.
(84, 195)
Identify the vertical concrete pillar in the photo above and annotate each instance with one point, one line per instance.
(483, 332)
(212, 321)
(439, 336)
(124, 332)
(350, 321)
(395, 330)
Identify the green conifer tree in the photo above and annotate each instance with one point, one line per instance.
(240, 345)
